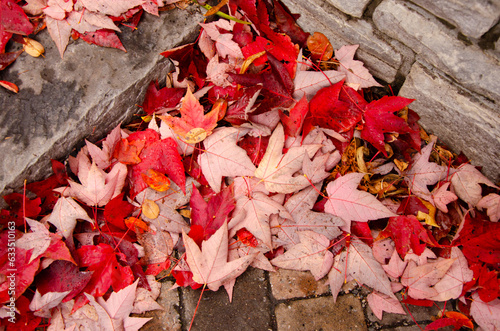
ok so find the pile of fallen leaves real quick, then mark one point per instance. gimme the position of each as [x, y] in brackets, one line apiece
[266, 148]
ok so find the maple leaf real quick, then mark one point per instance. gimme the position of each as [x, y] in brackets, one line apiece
[101, 37]
[304, 218]
[84, 21]
[407, 232]
[492, 203]
[62, 276]
[423, 173]
[294, 118]
[210, 265]
[193, 120]
[441, 197]
[451, 318]
[330, 110]
[158, 154]
[359, 263]
[253, 212]
[310, 254]
[450, 286]
[207, 218]
[421, 279]
[102, 157]
[97, 188]
[107, 271]
[465, 182]
[222, 157]
[308, 83]
[379, 118]
[65, 214]
[159, 99]
[356, 74]
[114, 313]
[380, 302]
[396, 266]
[114, 8]
[277, 170]
[168, 218]
[351, 204]
[13, 19]
[24, 275]
[42, 304]
[59, 31]
[146, 300]
[485, 314]
[38, 240]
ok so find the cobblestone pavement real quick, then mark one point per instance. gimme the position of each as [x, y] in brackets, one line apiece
[282, 300]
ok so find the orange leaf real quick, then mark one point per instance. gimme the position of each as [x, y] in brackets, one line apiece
[128, 152]
[193, 117]
[131, 222]
[320, 47]
[156, 180]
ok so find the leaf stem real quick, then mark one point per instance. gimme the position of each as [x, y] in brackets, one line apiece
[221, 14]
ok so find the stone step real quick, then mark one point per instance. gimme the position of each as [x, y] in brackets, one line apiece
[84, 95]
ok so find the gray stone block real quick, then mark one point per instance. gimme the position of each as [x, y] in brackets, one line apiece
[322, 314]
[432, 40]
[354, 7]
[473, 18]
[289, 284]
[250, 309]
[381, 57]
[86, 94]
[461, 119]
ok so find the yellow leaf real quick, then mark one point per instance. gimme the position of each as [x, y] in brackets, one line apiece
[156, 180]
[33, 47]
[132, 222]
[150, 209]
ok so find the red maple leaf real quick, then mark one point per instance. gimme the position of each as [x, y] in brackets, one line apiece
[330, 110]
[102, 37]
[480, 240]
[379, 119]
[117, 210]
[62, 276]
[13, 19]
[107, 271]
[160, 155]
[407, 232]
[156, 98]
[207, 218]
[293, 119]
[20, 207]
[191, 62]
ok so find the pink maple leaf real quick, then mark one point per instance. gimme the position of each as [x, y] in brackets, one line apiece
[351, 204]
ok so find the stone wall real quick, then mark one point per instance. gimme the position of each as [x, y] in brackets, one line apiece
[443, 53]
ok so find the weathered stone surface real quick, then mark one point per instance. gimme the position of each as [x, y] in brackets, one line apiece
[380, 57]
[321, 314]
[288, 284]
[354, 7]
[429, 38]
[250, 309]
[168, 319]
[473, 18]
[462, 120]
[84, 95]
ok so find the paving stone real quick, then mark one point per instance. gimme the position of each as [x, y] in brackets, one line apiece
[321, 314]
[461, 119]
[288, 284]
[250, 309]
[84, 95]
[429, 38]
[168, 319]
[473, 18]
[420, 314]
[354, 7]
[380, 57]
